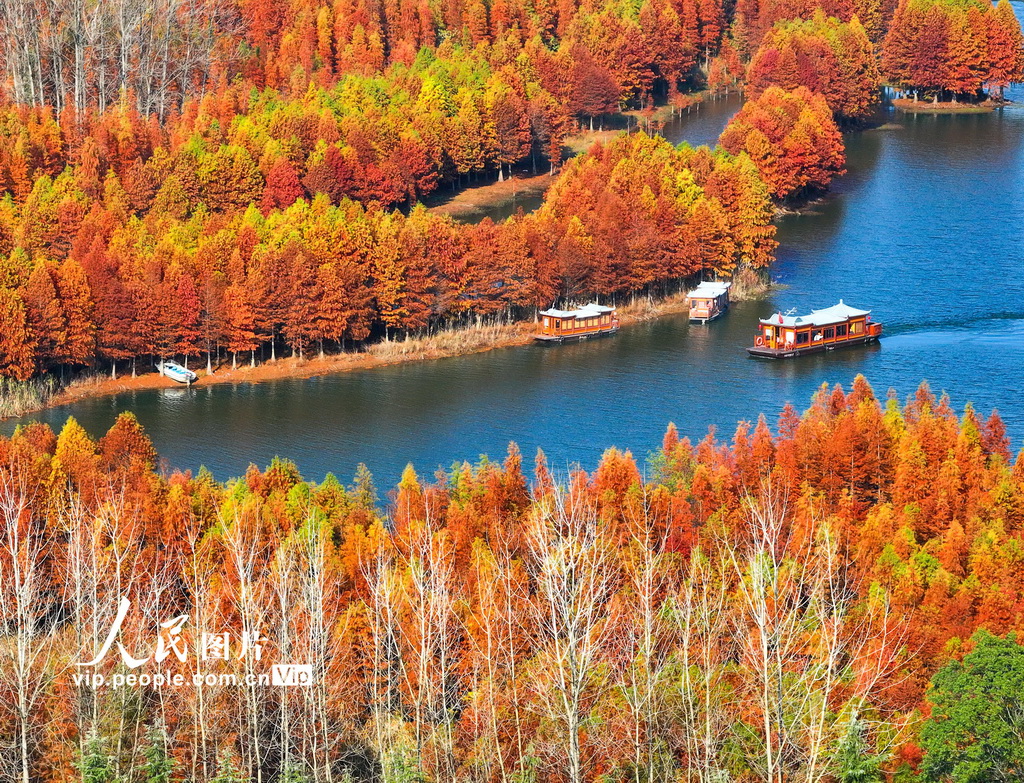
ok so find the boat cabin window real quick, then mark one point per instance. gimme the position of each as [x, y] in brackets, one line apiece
[558, 324]
[857, 327]
[829, 333]
[841, 330]
[547, 321]
[802, 337]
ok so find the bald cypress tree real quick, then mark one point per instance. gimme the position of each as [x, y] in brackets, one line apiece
[17, 348]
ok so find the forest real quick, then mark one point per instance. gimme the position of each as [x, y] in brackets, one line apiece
[229, 180]
[233, 179]
[813, 600]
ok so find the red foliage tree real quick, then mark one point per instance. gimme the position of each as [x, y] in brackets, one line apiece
[282, 187]
[792, 139]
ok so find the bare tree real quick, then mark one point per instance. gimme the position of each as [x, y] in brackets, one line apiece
[501, 636]
[200, 570]
[28, 614]
[574, 570]
[643, 648]
[702, 625]
[246, 551]
[94, 52]
[384, 582]
[98, 566]
[803, 655]
[429, 638]
[324, 624]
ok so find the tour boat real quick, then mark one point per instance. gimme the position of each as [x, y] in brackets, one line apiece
[783, 336]
[176, 372]
[592, 320]
[708, 301]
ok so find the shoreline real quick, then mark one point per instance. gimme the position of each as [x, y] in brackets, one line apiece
[468, 203]
[471, 202]
[446, 344]
[910, 106]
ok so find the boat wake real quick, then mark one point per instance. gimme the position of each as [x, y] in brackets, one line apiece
[996, 325]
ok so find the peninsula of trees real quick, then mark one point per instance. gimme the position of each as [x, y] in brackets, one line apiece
[221, 179]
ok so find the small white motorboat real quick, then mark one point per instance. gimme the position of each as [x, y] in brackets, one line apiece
[176, 372]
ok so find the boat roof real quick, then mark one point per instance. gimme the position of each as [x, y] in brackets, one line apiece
[830, 315]
[587, 311]
[709, 288]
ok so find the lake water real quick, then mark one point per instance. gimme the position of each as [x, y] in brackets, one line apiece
[924, 230]
[704, 122]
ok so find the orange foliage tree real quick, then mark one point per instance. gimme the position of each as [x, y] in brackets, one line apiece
[792, 139]
[744, 599]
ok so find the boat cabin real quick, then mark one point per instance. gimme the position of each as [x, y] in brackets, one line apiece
[708, 301]
[783, 336]
[592, 320]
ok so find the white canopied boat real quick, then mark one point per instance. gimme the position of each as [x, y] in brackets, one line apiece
[592, 320]
[176, 372]
[708, 301]
[785, 335]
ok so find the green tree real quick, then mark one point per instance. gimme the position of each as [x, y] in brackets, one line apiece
[294, 774]
[95, 765]
[158, 766]
[854, 759]
[976, 730]
[227, 772]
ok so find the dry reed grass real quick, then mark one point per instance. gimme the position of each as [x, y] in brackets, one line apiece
[20, 397]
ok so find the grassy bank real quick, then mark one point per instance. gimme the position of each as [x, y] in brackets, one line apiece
[473, 201]
[910, 106]
[21, 399]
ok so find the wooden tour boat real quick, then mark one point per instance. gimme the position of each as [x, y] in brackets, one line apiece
[592, 320]
[783, 336]
[708, 301]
